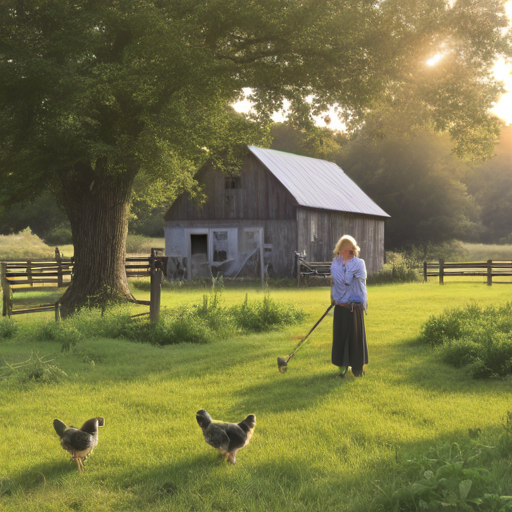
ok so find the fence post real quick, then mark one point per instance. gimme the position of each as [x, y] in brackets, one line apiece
[6, 291]
[297, 264]
[489, 272]
[156, 288]
[441, 271]
[425, 270]
[29, 272]
[60, 281]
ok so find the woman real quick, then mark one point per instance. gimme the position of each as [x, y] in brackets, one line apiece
[348, 292]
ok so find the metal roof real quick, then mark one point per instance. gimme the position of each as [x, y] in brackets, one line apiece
[317, 183]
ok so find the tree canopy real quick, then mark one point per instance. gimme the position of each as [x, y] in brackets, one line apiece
[96, 92]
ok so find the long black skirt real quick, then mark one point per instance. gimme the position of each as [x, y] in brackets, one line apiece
[349, 346]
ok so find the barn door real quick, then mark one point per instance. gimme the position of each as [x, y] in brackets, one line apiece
[199, 255]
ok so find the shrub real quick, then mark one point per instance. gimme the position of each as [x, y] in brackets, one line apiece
[264, 316]
[8, 328]
[398, 269]
[473, 337]
[471, 476]
[61, 332]
[60, 235]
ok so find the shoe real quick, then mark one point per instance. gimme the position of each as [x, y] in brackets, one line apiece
[358, 374]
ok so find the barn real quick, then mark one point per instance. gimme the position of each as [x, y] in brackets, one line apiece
[279, 203]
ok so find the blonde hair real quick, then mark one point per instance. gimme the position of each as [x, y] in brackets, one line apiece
[344, 242]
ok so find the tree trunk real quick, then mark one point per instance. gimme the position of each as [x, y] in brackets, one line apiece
[97, 206]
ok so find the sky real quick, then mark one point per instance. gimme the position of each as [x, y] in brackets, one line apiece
[503, 107]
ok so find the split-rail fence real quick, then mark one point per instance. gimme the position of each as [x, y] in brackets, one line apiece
[489, 270]
[52, 275]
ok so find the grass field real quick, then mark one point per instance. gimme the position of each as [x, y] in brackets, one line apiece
[321, 443]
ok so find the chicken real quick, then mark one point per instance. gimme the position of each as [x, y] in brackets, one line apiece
[79, 442]
[228, 438]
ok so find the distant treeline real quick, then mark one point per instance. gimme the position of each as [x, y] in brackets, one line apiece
[432, 196]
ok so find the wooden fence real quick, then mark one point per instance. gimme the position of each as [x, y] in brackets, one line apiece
[487, 269]
[311, 269]
[45, 275]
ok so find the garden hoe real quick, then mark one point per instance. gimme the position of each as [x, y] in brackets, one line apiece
[282, 363]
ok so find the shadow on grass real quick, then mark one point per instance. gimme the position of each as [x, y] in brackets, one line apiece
[38, 476]
[286, 393]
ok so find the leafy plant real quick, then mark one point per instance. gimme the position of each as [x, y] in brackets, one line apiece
[453, 477]
[36, 369]
[8, 328]
[265, 315]
[398, 269]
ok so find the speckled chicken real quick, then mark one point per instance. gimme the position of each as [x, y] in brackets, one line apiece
[228, 438]
[79, 442]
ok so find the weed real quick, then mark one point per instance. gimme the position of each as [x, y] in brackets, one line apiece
[61, 332]
[265, 315]
[452, 477]
[35, 369]
[8, 328]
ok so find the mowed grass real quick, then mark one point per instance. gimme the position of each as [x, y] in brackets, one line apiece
[321, 443]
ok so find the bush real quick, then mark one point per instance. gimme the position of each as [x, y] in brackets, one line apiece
[202, 323]
[471, 476]
[264, 316]
[398, 269]
[475, 338]
[61, 332]
[61, 235]
[8, 328]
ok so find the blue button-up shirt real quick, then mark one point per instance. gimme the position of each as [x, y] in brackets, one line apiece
[349, 280]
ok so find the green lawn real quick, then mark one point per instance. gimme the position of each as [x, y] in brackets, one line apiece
[321, 443]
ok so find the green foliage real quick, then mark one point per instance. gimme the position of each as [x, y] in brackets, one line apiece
[454, 477]
[8, 328]
[419, 182]
[61, 332]
[140, 244]
[397, 269]
[59, 235]
[36, 369]
[473, 337]
[203, 323]
[265, 315]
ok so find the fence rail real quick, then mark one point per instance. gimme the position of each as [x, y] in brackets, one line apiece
[45, 275]
[488, 269]
[310, 269]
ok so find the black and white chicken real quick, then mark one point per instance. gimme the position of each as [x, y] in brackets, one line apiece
[79, 442]
[228, 438]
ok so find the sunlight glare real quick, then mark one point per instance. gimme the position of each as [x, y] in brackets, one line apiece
[435, 59]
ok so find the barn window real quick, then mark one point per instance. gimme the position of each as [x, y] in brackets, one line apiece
[232, 182]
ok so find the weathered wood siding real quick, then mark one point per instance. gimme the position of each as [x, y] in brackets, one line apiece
[260, 196]
[280, 234]
[319, 230]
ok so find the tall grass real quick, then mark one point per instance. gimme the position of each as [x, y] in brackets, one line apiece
[484, 252]
[24, 245]
[473, 337]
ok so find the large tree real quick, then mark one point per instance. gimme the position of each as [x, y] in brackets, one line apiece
[94, 92]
